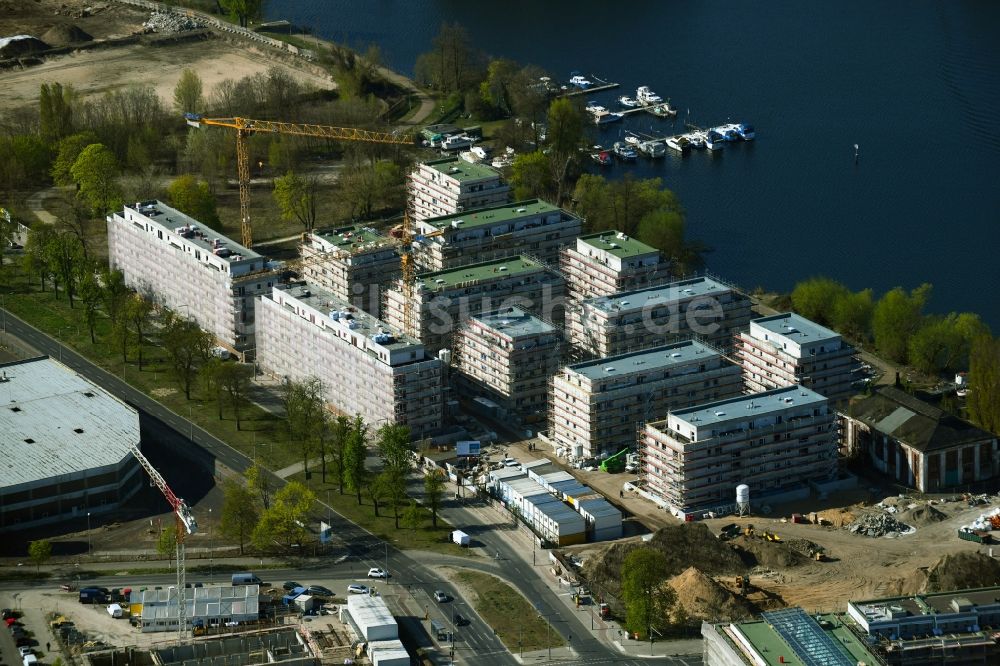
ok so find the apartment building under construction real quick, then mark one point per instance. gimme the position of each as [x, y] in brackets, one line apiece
[775, 442]
[191, 269]
[507, 356]
[533, 227]
[609, 262]
[598, 407]
[703, 308]
[358, 263]
[452, 185]
[443, 300]
[366, 366]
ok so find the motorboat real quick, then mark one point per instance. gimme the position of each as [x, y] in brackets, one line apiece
[728, 132]
[602, 116]
[632, 140]
[663, 110]
[696, 139]
[714, 140]
[746, 132]
[624, 152]
[628, 102]
[653, 148]
[647, 97]
[603, 158]
[679, 144]
[581, 82]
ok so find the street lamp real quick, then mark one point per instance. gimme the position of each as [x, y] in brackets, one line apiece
[211, 553]
[90, 544]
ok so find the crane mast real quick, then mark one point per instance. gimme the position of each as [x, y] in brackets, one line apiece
[186, 524]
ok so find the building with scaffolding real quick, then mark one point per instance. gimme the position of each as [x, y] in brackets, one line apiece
[532, 227]
[367, 367]
[609, 262]
[191, 269]
[775, 442]
[441, 301]
[354, 263]
[702, 308]
[786, 349]
[508, 356]
[452, 185]
[598, 407]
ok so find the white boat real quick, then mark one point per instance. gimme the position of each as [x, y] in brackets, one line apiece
[696, 139]
[745, 131]
[628, 102]
[580, 81]
[729, 131]
[680, 144]
[714, 140]
[603, 117]
[646, 97]
[632, 140]
[653, 148]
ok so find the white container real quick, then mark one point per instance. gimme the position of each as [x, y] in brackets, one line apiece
[743, 494]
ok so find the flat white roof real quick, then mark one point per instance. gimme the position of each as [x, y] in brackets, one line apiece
[749, 406]
[368, 612]
[795, 328]
[54, 422]
[648, 360]
[675, 292]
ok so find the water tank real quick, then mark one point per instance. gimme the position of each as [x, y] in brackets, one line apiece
[743, 494]
[445, 356]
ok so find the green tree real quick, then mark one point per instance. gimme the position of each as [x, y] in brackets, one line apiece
[235, 379]
[897, 316]
[194, 198]
[95, 172]
[283, 523]
[8, 227]
[304, 407]
[453, 65]
[243, 11]
[852, 314]
[983, 401]
[188, 96]
[91, 295]
[621, 205]
[433, 493]
[35, 260]
[25, 163]
[340, 432]
[55, 111]
[377, 490]
[166, 544]
[816, 298]
[138, 314]
[565, 136]
[495, 90]
[531, 176]
[239, 511]
[212, 382]
[65, 254]
[939, 345]
[393, 443]
[663, 228]
[413, 515]
[67, 151]
[648, 599]
[260, 483]
[368, 187]
[355, 451]
[40, 552]
[187, 346]
[295, 196]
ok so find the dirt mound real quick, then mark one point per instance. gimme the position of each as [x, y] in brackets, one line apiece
[704, 599]
[835, 517]
[684, 546]
[922, 515]
[20, 45]
[61, 35]
[959, 571]
[770, 554]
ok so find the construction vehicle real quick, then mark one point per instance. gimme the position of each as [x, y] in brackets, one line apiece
[245, 127]
[748, 531]
[743, 585]
[186, 524]
[615, 463]
[605, 611]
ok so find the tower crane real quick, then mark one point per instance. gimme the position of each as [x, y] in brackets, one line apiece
[186, 524]
[245, 127]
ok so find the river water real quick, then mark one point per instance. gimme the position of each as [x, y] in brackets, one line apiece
[915, 84]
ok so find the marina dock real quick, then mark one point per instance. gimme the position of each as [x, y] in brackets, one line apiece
[600, 85]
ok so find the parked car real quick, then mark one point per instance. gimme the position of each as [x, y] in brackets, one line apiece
[459, 620]
[24, 650]
[319, 591]
[290, 585]
[440, 596]
[357, 589]
[376, 572]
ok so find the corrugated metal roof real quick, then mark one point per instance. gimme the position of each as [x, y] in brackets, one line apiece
[368, 612]
[55, 422]
[218, 601]
[598, 507]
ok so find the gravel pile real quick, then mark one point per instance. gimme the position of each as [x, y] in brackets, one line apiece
[167, 23]
[877, 525]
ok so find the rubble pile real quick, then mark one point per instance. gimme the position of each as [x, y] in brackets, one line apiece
[877, 525]
[165, 22]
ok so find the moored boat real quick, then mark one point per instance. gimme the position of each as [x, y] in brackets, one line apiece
[714, 140]
[679, 144]
[696, 139]
[581, 82]
[624, 152]
[745, 131]
[647, 97]
[602, 116]
[653, 148]
[628, 102]
[663, 110]
[603, 158]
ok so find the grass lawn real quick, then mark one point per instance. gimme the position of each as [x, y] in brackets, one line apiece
[506, 610]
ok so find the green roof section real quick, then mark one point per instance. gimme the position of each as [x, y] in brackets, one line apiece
[617, 244]
[475, 273]
[496, 214]
[352, 236]
[461, 170]
[777, 652]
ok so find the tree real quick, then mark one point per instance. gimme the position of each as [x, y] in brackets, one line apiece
[166, 544]
[188, 96]
[565, 136]
[65, 254]
[413, 516]
[852, 314]
[453, 65]
[55, 111]
[115, 294]
[531, 176]
[340, 432]
[495, 90]
[25, 163]
[433, 492]
[259, 482]
[295, 196]
[368, 187]
[816, 298]
[35, 260]
[983, 400]
[91, 295]
[239, 511]
[235, 382]
[95, 173]
[137, 314]
[188, 347]
[304, 408]
[40, 552]
[377, 490]
[243, 11]
[943, 343]
[355, 452]
[647, 597]
[8, 227]
[67, 151]
[897, 316]
[212, 381]
[393, 443]
[284, 521]
[194, 198]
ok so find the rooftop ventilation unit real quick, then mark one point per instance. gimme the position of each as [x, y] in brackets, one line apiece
[521, 210]
[503, 268]
[720, 413]
[610, 368]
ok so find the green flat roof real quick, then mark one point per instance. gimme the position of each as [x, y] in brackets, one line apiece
[474, 273]
[617, 244]
[350, 236]
[495, 214]
[772, 647]
[461, 170]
